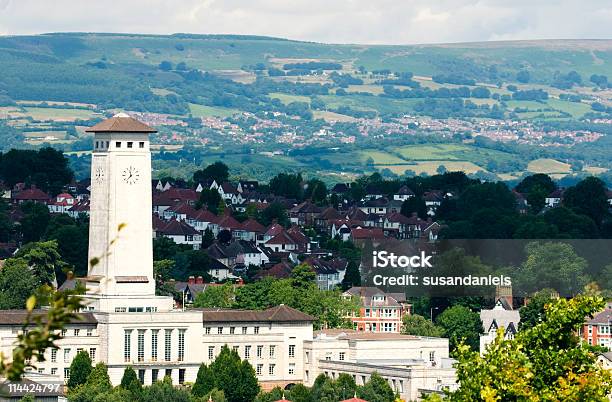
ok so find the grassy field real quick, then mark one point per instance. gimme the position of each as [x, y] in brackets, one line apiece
[58, 114]
[211, 111]
[548, 166]
[287, 98]
[431, 167]
[331, 116]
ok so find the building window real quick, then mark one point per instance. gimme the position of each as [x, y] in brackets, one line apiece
[154, 334]
[154, 374]
[341, 356]
[89, 332]
[291, 350]
[232, 329]
[272, 350]
[127, 353]
[259, 369]
[247, 351]
[168, 344]
[211, 352]
[92, 354]
[53, 355]
[256, 330]
[141, 376]
[244, 330]
[66, 373]
[181, 376]
[141, 334]
[220, 330]
[141, 144]
[67, 355]
[259, 350]
[235, 348]
[64, 332]
[307, 357]
[432, 356]
[271, 369]
[54, 371]
[168, 373]
[129, 144]
[120, 309]
[76, 332]
[181, 345]
[207, 330]
[291, 368]
[118, 144]
[107, 144]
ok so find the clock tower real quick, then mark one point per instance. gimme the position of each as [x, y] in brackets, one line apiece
[120, 228]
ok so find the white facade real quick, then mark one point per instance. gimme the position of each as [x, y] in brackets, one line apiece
[410, 364]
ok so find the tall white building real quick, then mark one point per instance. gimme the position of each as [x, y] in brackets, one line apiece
[126, 324]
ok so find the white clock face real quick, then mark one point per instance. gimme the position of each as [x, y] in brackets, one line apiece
[99, 174]
[130, 175]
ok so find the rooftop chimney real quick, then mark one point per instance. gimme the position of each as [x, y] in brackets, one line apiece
[191, 280]
[199, 280]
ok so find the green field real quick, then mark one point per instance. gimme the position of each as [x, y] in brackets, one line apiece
[548, 166]
[211, 111]
[58, 114]
[287, 98]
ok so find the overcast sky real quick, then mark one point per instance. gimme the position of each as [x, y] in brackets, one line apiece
[332, 21]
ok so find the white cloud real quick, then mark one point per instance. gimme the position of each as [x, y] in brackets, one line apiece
[335, 21]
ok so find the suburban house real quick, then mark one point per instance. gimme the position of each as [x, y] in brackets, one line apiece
[32, 194]
[596, 331]
[304, 214]
[179, 231]
[379, 311]
[330, 273]
[403, 194]
[554, 199]
[500, 318]
[61, 204]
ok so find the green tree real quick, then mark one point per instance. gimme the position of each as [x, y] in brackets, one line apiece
[205, 381]
[216, 296]
[414, 205]
[17, 284]
[536, 187]
[552, 265]
[208, 238]
[217, 171]
[165, 391]
[209, 199]
[130, 382]
[162, 272]
[534, 312]
[97, 383]
[6, 225]
[34, 223]
[43, 259]
[352, 276]
[418, 325]
[546, 362]
[377, 389]
[460, 324]
[275, 212]
[287, 185]
[299, 393]
[346, 386]
[325, 390]
[80, 368]
[236, 379]
[588, 197]
[316, 191]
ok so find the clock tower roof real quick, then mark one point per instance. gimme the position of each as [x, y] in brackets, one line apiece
[121, 123]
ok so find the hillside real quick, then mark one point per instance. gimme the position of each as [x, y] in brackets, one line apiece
[328, 110]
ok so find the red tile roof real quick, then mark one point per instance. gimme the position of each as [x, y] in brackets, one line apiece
[32, 194]
[367, 233]
[121, 123]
